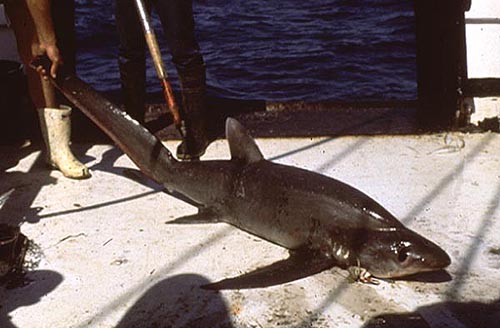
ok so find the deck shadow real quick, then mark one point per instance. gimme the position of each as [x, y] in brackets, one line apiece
[178, 302]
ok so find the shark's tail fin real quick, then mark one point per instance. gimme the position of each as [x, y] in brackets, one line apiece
[145, 150]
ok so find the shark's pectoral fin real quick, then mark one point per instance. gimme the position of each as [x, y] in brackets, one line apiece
[204, 215]
[298, 265]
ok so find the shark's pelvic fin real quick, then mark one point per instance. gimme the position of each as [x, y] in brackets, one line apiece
[241, 144]
[204, 215]
[299, 265]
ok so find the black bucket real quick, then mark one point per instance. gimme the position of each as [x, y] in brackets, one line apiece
[16, 114]
[13, 247]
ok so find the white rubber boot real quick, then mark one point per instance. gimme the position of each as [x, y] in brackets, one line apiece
[56, 130]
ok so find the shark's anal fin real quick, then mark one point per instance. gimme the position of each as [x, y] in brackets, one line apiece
[204, 215]
[299, 265]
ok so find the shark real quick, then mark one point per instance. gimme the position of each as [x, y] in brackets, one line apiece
[323, 222]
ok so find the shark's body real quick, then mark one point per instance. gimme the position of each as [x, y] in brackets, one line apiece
[322, 221]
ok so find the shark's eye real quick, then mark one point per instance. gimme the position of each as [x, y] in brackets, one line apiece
[403, 254]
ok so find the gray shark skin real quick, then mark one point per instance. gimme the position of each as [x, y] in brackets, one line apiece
[322, 221]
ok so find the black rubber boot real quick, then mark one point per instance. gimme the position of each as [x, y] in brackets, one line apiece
[196, 139]
[133, 82]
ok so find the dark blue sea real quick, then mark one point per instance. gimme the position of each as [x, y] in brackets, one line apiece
[310, 50]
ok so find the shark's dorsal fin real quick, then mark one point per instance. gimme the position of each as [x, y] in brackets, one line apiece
[242, 146]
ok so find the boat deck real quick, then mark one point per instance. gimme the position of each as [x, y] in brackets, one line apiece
[104, 256]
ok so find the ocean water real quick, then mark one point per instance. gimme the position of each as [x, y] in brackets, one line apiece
[314, 50]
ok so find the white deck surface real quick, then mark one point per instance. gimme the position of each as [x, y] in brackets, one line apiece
[108, 259]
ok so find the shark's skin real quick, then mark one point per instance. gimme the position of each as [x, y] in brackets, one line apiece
[322, 221]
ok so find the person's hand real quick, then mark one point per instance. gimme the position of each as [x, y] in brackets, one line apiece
[56, 60]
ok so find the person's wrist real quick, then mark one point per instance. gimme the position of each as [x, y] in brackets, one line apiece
[47, 45]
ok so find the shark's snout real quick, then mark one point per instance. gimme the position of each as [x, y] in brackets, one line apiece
[437, 259]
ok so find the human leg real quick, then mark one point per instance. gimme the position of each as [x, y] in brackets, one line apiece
[56, 130]
[178, 25]
[55, 127]
[131, 58]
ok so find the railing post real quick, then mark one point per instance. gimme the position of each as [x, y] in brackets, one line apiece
[441, 60]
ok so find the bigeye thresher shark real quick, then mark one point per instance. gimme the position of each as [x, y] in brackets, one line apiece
[323, 222]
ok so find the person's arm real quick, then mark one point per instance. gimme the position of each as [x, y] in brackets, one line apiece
[41, 13]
